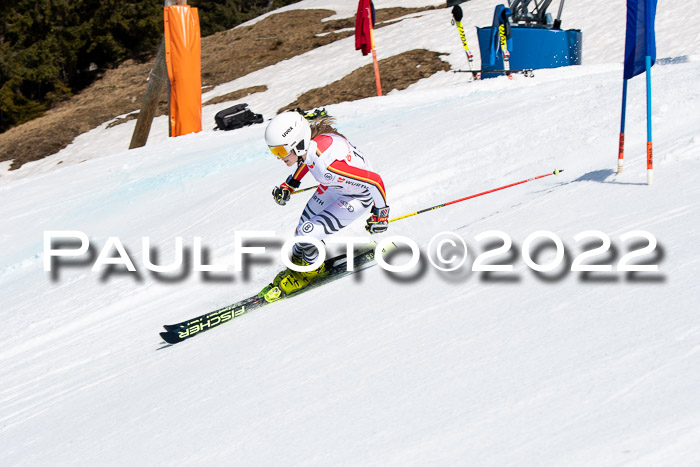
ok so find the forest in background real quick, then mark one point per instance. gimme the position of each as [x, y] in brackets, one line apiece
[52, 49]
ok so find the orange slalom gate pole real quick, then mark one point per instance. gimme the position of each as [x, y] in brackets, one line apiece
[374, 52]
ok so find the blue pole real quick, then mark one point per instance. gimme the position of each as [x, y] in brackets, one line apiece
[650, 158]
[621, 149]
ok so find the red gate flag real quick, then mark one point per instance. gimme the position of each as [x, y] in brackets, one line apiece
[363, 40]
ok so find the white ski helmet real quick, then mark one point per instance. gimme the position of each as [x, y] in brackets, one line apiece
[287, 132]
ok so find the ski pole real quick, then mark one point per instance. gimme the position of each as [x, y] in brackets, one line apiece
[305, 189]
[457, 15]
[557, 22]
[556, 172]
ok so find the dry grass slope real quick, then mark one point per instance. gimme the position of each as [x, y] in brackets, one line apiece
[225, 56]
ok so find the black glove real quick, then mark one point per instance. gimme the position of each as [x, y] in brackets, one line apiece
[283, 192]
[378, 221]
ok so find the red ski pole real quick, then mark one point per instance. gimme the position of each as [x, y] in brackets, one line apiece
[556, 172]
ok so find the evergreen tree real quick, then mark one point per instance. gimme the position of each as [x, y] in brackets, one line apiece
[51, 49]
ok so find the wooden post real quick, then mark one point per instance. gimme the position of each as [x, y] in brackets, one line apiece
[157, 83]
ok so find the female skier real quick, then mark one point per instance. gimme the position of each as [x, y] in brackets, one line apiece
[348, 186]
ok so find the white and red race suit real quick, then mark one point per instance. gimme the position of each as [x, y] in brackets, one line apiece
[348, 188]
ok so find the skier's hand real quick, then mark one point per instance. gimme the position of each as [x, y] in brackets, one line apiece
[378, 221]
[282, 193]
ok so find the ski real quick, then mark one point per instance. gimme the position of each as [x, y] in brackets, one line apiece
[529, 72]
[457, 16]
[312, 114]
[337, 267]
[504, 48]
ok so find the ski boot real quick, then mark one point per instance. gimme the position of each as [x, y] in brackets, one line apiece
[288, 281]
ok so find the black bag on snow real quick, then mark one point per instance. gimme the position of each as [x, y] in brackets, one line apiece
[237, 116]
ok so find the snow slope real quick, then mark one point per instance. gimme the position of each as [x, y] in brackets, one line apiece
[420, 368]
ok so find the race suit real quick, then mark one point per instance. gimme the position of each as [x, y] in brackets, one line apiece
[348, 188]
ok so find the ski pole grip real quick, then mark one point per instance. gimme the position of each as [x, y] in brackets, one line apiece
[457, 13]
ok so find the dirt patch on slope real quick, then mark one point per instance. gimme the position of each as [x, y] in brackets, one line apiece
[225, 56]
[235, 95]
[397, 72]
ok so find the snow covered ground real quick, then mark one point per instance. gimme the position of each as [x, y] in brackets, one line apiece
[421, 368]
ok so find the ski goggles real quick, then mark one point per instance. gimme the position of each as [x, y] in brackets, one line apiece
[281, 151]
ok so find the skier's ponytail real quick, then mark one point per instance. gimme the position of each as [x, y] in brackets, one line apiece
[324, 125]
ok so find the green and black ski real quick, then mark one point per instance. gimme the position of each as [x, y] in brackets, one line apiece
[337, 267]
